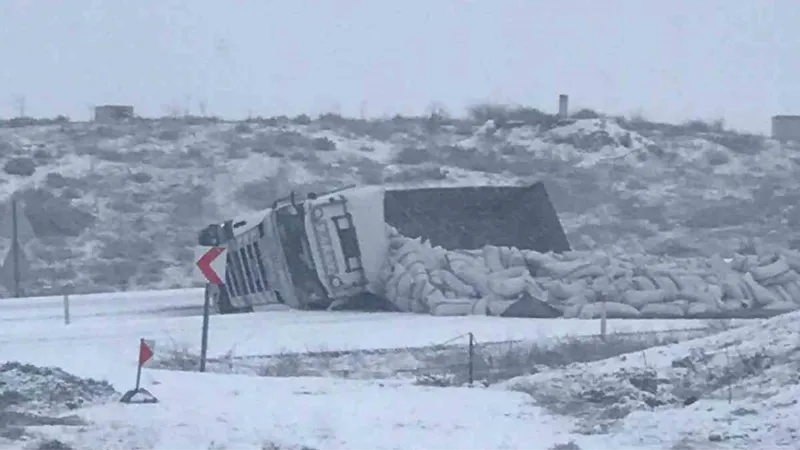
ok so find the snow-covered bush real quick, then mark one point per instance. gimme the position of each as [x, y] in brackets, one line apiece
[21, 166]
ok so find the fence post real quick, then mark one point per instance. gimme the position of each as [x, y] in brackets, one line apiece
[603, 317]
[471, 363]
[66, 308]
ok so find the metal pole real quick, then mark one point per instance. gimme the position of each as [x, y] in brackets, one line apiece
[15, 246]
[66, 309]
[204, 339]
[139, 366]
[603, 319]
[471, 365]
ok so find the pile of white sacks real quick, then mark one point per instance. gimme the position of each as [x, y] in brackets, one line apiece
[420, 278]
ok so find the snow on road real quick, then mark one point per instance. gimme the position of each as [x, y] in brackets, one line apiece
[100, 305]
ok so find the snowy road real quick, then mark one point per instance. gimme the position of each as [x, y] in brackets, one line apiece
[93, 345]
[173, 302]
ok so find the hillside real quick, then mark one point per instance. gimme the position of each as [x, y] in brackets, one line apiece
[736, 389]
[118, 207]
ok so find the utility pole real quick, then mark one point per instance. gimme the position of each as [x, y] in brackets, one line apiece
[15, 246]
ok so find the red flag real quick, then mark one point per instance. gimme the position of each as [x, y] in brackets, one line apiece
[145, 352]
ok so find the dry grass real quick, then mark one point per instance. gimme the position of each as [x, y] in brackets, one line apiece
[438, 365]
[496, 362]
[571, 445]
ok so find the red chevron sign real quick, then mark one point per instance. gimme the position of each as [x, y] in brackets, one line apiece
[212, 264]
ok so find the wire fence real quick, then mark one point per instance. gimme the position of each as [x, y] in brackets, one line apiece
[462, 359]
[489, 362]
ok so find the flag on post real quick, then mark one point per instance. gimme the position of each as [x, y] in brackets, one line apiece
[146, 349]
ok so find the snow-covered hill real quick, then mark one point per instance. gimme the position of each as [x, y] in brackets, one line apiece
[117, 207]
[735, 390]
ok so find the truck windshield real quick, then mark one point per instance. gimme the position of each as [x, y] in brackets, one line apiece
[294, 240]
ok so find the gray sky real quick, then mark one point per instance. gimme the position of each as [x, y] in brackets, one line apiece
[669, 60]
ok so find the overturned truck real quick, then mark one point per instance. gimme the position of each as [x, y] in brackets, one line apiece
[375, 248]
[487, 250]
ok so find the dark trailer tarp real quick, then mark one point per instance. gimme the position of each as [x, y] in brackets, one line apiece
[471, 217]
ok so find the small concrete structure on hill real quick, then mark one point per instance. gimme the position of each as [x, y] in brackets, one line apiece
[786, 128]
[113, 113]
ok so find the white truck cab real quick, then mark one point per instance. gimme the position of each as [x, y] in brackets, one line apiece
[307, 253]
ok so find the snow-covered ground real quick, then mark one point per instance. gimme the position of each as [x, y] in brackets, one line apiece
[739, 389]
[202, 411]
[231, 411]
[236, 411]
[98, 346]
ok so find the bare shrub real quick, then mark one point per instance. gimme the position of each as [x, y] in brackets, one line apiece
[701, 126]
[42, 154]
[415, 174]
[179, 357]
[413, 156]
[571, 445]
[323, 144]
[21, 166]
[586, 113]
[503, 114]
[243, 127]
[289, 140]
[371, 174]
[743, 143]
[260, 194]
[380, 130]
[141, 177]
[54, 216]
[302, 119]
[53, 444]
[113, 274]
[126, 206]
[717, 157]
[473, 159]
[495, 362]
[171, 134]
[55, 180]
[272, 445]
[286, 365]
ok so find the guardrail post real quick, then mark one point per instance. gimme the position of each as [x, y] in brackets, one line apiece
[603, 318]
[471, 362]
[66, 308]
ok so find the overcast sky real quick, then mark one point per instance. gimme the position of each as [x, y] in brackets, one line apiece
[667, 59]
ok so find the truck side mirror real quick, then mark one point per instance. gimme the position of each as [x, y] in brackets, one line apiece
[210, 236]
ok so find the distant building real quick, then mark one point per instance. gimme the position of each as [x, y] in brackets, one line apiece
[563, 106]
[113, 113]
[786, 128]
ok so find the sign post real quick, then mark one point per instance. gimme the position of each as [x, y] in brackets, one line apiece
[146, 347]
[204, 336]
[211, 263]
